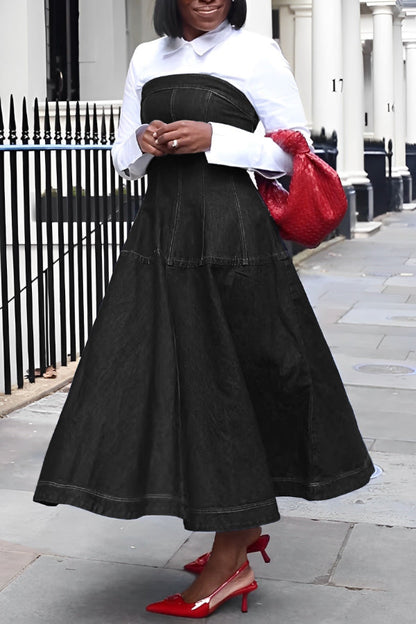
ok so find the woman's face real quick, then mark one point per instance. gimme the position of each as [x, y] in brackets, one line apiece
[200, 16]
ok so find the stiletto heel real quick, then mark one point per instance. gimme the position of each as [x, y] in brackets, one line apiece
[259, 545]
[175, 605]
[244, 605]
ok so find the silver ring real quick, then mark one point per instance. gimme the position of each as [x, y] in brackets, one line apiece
[174, 143]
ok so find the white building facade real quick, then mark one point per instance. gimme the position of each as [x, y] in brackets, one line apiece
[354, 62]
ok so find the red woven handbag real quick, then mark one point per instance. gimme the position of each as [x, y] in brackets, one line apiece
[316, 201]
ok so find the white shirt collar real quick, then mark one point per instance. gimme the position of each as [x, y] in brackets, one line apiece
[202, 44]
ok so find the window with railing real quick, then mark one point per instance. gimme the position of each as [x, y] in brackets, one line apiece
[62, 49]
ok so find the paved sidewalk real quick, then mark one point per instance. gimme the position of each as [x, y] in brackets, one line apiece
[348, 560]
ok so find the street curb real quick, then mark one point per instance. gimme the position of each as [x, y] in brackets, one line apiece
[307, 253]
[32, 392]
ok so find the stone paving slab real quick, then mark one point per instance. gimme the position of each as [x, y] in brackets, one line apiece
[369, 342]
[73, 532]
[382, 354]
[328, 316]
[402, 447]
[24, 438]
[388, 426]
[12, 563]
[22, 448]
[347, 366]
[378, 557]
[70, 591]
[364, 330]
[387, 500]
[403, 342]
[380, 400]
[384, 413]
[301, 550]
[339, 282]
[401, 315]
[368, 299]
[394, 290]
[403, 281]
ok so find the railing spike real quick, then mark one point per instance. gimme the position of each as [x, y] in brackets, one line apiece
[112, 136]
[68, 134]
[47, 134]
[12, 123]
[25, 124]
[77, 124]
[58, 134]
[95, 125]
[87, 125]
[103, 128]
[36, 123]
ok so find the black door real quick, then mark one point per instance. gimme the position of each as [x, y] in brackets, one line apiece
[62, 49]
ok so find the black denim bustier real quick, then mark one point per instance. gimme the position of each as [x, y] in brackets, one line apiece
[194, 212]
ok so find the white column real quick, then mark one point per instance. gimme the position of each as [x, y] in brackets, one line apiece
[259, 17]
[139, 20]
[22, 51]
[287, 33]
[302, 61]
[411, 91]
[383, 69]
[399, 147]
[327, 70]
[367, 47]
[353, 94]
[102, 49]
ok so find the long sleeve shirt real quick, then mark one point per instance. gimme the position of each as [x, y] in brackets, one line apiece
[252, 63]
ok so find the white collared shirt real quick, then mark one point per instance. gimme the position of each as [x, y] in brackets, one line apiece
[252, 63]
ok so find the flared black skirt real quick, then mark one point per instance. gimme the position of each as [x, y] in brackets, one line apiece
[206, 388]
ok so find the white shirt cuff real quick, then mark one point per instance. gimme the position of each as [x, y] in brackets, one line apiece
[238, 148]
[129, 160]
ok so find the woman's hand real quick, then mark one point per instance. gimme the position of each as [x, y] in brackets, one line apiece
[146, 139]
[183, 137]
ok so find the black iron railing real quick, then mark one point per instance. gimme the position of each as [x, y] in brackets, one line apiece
[378, 165]
[64, 216]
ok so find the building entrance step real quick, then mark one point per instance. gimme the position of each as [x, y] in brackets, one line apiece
[364, 229]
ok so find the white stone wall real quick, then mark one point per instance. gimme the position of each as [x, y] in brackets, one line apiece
[22, 50]
[102, 48]
[259, 16]
[139, 23]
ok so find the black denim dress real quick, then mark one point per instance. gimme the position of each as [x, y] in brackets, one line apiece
[206, 388]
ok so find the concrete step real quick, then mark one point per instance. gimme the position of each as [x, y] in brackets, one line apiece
[364, 229]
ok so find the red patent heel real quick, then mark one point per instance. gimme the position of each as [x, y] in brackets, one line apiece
[259, 545]
[175, 605]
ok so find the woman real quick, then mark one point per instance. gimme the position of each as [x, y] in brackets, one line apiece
[206, 388]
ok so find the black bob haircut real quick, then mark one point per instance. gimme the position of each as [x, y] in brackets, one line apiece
[167, 20]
